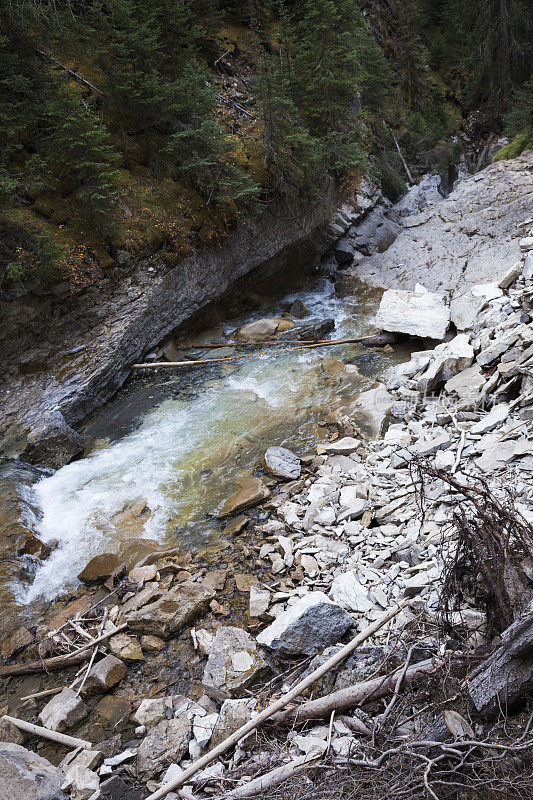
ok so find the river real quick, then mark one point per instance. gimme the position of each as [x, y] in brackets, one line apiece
[168, 447]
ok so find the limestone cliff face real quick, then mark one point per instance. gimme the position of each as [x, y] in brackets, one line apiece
[465, 239]
[76, 360]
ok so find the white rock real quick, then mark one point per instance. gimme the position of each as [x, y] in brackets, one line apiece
[150, 712]
[527, 272]
[419, 313]
[495, 417]
[203, 728]
[343, 446]
[510, 275]
[490, 291]
[348, 592]
[63, 711]
[259, 601]
[81, 782]
[449, 359]
[466, 383]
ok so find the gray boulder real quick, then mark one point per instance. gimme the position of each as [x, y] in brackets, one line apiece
[308, 626]
[63, 711]
[234, 661]
[281, 463]
[27, 776]
[167, 743]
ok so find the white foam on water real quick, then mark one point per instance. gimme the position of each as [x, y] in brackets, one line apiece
[162, 460]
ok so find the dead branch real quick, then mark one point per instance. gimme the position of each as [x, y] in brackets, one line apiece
[355, 695]
[44, 733]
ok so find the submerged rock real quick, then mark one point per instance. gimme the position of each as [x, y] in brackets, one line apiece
[281, 463]
[312, 623]
[251, 492]
[18, 640]
[419, 313]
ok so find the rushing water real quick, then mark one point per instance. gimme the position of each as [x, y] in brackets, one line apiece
[170, 445]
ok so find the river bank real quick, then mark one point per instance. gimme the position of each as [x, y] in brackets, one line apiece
[327, 551]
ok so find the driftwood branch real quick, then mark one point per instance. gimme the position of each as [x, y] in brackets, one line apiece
[380, 340]
[270, 779]
[355, 695]
[59, 662]
[44, 733]
[273, 708]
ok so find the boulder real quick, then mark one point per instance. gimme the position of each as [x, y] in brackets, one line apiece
[308, 626]
[63, 711]
[298, 309]
[449, 358]
[251, 492]
[124, 647]
[527, 271]
[165, 744]
[82, 782]
[104, 675]
[347, 591]
[259, 601]
[464, 309]
[234, 661]
[281, 463]
[150, 712]
[370, 409]
[493, 419]
[101, 568]
[466, 383]
[27, 776]
[262, 329]
[418, 197]
[419, 313]
[233, 715]
[175, 609]
[52, 443]
[343, 447]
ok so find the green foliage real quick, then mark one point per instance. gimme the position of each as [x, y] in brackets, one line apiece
[27, 253]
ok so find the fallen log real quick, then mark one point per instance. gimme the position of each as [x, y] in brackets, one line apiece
[379, 340]
[270, 779]
[506, 676]
[44, 733]
[355, 695]
[273, 708]
[58, 662]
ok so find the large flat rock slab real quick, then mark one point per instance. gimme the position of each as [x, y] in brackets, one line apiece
[419, 313]
[470, 237]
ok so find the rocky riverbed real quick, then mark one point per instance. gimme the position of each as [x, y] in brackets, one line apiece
[197, 644]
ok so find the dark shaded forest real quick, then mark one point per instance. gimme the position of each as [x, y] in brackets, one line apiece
[129, 126]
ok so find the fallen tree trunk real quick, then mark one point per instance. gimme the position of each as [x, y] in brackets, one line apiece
[379, 340]
[270, 779]
[355, 695]
[506, 676]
